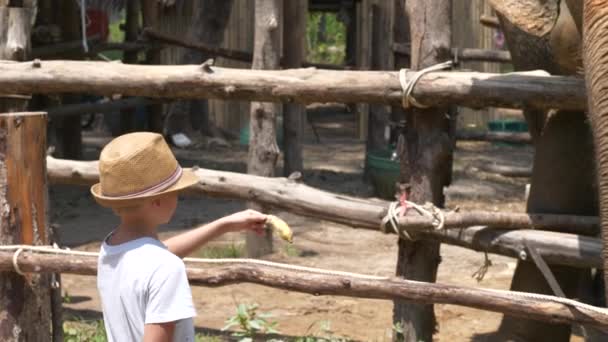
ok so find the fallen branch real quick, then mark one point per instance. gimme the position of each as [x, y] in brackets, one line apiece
[510, 137]
[546, 309]
[471, 89]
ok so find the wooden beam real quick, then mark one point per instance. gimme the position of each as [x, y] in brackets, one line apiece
[25, 314]
[238, 55]
[465, 54]
[547, 309]
[471, 89]
[285, 194]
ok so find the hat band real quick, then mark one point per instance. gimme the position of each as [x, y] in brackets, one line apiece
[165, 184]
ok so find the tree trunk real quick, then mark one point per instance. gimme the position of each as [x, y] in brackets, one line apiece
[207, 28]
[295, 17]
[263, 149]
[25, 304]
[127, 115]
[595, 30]
[425, 162]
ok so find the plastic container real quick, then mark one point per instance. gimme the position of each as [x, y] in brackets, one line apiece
[383, 172]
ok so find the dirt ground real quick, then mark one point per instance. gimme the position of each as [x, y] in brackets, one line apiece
[335, 164]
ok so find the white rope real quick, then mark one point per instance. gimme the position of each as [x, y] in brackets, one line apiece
[50, 250]
[15, 264]
[427, 210]
[512, 294]
[407, 85]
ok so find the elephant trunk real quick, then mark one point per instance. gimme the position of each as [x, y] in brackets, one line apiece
[595, 59]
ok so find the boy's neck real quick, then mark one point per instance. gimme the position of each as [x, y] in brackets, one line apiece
[129, 230]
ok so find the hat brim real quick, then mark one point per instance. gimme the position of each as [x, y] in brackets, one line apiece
[187, 179]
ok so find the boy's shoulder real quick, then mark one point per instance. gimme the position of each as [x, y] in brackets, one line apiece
[145, 253]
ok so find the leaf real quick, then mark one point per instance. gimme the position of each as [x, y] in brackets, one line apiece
[255, 324]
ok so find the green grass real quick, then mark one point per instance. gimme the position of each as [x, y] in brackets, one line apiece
[232, 250]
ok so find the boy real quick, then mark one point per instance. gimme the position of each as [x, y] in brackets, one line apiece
[142, 282]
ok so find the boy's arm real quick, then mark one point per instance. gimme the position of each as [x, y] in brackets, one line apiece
[184, 244]
[159, 332]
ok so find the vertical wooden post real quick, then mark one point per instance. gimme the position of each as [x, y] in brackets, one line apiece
[263, 149]
[380, 60]
[69, 129]
[150, 15]
[294, 115]
[127, 116]
[24, 300]
[425, 161]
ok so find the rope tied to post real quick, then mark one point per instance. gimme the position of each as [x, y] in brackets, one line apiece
[408, 83]
[396, 210]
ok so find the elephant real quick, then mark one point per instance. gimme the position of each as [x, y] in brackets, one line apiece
[595, 58]
[546, 34]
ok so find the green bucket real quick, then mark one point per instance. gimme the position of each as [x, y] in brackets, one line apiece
[383, 172]
[511, 126]
[244, 134]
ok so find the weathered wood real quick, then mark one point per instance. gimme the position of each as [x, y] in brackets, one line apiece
[507, 171]
[295, 15]
[465, 54]
[204, 48]
[469, 89]
[509, 137]
[150, 14]
[282, 193]
[426, 163]
[14, 45]
[263, 149]
[509, 303]
[24, 301]
[238, 55]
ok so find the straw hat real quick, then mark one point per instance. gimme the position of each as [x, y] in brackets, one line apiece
[136, 166]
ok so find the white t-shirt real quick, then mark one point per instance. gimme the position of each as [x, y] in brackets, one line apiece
[141, 282]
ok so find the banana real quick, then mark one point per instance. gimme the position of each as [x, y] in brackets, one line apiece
[280, 227]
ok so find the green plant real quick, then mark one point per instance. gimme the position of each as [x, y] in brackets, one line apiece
[84, 331]
[250, 323]
[291, 251]
[207, 338]
[232, 250]
[326, 38]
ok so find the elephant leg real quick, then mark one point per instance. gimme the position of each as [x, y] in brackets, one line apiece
[562, 183]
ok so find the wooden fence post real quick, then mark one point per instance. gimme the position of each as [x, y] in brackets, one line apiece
[294, 115]
[425, 154]
[263, 149]
[24, 300]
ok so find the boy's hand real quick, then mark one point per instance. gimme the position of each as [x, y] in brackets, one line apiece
[245, 220]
